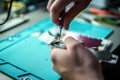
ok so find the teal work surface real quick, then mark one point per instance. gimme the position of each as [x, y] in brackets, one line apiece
[24, 55]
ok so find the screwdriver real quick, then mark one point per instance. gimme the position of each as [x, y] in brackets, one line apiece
[61, 19]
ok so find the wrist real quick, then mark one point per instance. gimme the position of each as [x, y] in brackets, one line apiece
[93, 75]
[82, 75]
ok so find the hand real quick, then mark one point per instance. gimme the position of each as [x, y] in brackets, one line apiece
[57, 6]
[75, 62]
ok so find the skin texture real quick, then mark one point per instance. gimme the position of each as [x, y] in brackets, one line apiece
[55, 7]
[75, 62]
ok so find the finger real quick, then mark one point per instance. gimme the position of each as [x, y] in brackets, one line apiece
[75, 10]
[50, 2]
[61, 59]
[56, 8]
[71, 43]
[57, 55]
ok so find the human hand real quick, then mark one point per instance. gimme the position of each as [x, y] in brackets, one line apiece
[57, 6]
[75, 62]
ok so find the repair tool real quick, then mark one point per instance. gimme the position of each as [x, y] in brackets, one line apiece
[57, 44]
[61, 19]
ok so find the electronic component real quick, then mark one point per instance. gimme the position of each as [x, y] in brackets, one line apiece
[103, 55]
[99, 47]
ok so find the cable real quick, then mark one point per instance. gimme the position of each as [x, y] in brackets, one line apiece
[8, 15]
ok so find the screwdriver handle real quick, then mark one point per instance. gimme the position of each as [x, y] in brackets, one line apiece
[61, 19]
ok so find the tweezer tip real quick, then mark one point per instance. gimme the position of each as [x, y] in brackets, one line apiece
[60, 34]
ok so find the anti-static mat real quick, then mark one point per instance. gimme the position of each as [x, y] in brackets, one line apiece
[24, 56]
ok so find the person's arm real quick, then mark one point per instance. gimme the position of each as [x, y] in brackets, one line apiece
[75, 62]
[57, 6]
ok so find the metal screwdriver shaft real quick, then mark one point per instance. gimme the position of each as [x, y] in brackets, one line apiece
[60, 33]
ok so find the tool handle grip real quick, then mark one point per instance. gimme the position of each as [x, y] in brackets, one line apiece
[61, 19]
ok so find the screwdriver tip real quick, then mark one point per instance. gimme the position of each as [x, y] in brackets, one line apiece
[60, 34]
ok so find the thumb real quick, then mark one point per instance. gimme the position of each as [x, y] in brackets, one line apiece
[71, 43]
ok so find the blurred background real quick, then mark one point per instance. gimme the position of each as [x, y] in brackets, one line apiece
[105, 11]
